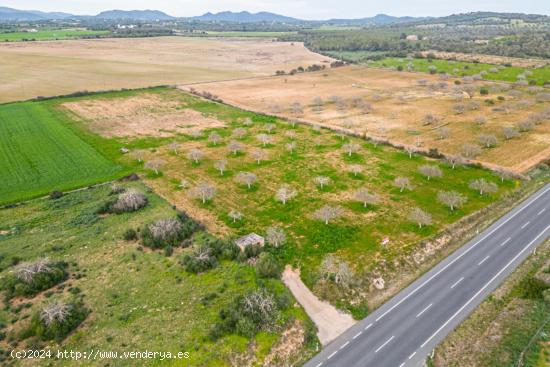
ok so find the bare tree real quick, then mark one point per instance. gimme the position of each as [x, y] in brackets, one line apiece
[56, 311]
[470, 150]
[322, 181]
[138, 155]
[344, 275]
[285, 193]
[239, 133]
[403, 183]
[355, 169]
[269, 128]
[165, 228]
[452, 199]
[364, 196]
[235, 147]
[444, 132]
[174, 146]
[430, 119]
[264, 139]
[430, 171]
[26, 271]
[328, 213]
[214, 138]
[455, 160]
[129, 201]
[290, 147]
[221, 165]
[246, 178]
[351, 148]
[410, 151]
[235, 215]
[420, 217]
[259, 155]
[203, 191]
[275, 236]
[510, 133]
[480, 120]
[488, 140]
[155, 164]
[483, 186]
[195, 155]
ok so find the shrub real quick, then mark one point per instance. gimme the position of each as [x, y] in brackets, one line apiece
[200, 260]
[167, 232]
[31, 278]
[267, 266]
[56, 320]
[130, 234]
[55, 195]
[484, 91]
[129, 201]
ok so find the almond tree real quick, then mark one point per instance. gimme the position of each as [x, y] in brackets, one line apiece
[488, 140]
[420, 217]
[328, 213]
[444, 132]
[455, 160]
[264, 139]
[239, 133]
[351, 148]
[509, 133]
[480, 120]
[275, 236]
[138, 155]
[317, 104]
[483, 186]
[410, 151]
[203, 191]
[246, 178]
[214, 138]
[364, 196]
[195, 155]
[235, 215]
[503, 174]
[452, 199]
[269, 128]
[291, 146]
[296, 109]
[221, 165]
[196, 133]
[235, 147]
[259, 155]
[174, 146]
[430, 119]
[248, 122]
[355, 169]
[430, 171]
[285, 193]
[291, 134]
[155, 164]
[470, 150]
[322, 181]
[403, 183]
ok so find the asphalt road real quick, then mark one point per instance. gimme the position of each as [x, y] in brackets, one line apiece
[407, 328]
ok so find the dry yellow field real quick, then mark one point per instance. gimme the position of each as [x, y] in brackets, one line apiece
[31, 69]
[393, 106]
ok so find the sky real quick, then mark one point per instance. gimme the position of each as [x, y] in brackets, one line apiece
[304, 9]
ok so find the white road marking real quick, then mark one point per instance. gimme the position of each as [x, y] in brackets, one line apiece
[344, 345]
[424, 310]
[542, 211]
[368, 326]
[356, 335]
[462, 254]
[482, 261]
[383, 345]
[319, 365]
[483, 288]
[525, 225]
[456, 283]
[506, 241]
[412, 355]
[402, 364]
[332, 355]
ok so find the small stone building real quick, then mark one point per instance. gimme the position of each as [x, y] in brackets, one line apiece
[249, 240]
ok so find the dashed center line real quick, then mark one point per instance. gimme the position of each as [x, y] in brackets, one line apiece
[356, 335]
[344, 345]
[506, 241]
[542, 211]
[332, 355]
[525, 225]
[402, 364]
[482, 261]
[383, 345]
[456, 283]
[412, 355]
[424, 310]
[368, 326]
[319, 365]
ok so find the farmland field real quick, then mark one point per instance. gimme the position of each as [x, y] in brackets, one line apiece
[394, 106]
[356, 237]
[40, 153]
[139, 299]
[50, 68]
[49, 34]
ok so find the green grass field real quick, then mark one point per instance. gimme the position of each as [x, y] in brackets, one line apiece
[41, 152]
[49, 34]
[461, 68]
[245, 34]
[139, 299]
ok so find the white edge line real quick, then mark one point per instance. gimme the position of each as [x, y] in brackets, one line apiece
[356, 335]
[526, 224]
[383, 345]
[424, 310]
[332, 355]
[402, 364]
[485, 286]
[462, 254]
[506, 241]
[456, 283]
[412, 355]
[485, 259]
[319, 364]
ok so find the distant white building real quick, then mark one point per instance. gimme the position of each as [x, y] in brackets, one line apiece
[412, 37]
[250, 240]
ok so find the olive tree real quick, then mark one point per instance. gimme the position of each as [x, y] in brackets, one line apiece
[452, 199]
[275, 236]
[221, 165]
[328, 213]
[246, 178]
[203, 191]
[420, 217]
[403, 183]
[285, 193]
[483, 186]
[155, 165]
[488, 140]
[322, 181]
[430, 171]
[364, 196]
[195, 155]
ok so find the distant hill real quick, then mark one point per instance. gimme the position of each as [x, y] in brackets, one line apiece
[379, 19]
[134, 15]
[245, 17]
[13, 15]
[487, 18]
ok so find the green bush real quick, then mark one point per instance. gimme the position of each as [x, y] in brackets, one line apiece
[531, 288]
[484, 91]
[14, 286]
[267, 266]
[130, 234]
